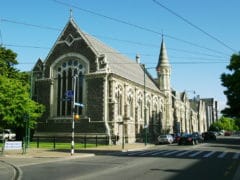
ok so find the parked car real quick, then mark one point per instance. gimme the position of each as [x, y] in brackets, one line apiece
[198, 137]
[7, 134]
[188, 139]
[165, 138]
[209, 136]
[221, 133]
[176, 137]
[227, 133]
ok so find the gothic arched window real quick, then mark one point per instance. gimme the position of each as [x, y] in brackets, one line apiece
[140, 105]
[118, 95]
[64, 86]
[130, 102]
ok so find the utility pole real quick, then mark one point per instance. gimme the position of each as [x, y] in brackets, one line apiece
[145, 109]
[123, 136]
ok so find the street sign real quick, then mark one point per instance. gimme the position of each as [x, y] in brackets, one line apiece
[69, 93]
[13, 145]
[78, 104]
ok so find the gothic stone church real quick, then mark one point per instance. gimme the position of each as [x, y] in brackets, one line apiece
[120, 97]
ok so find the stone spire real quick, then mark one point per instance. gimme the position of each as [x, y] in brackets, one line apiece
[164, 84]
[163, 69]
[163, 57]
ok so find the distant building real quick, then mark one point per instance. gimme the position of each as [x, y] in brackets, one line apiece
[120, 97]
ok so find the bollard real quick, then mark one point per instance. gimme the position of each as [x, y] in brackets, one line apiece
[85, 142]
[96, 141]
[24, 145]
[37, 142]
[107, 140]
[54, 143]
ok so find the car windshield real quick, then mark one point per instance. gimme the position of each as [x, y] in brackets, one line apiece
[186, 135]
[163, 136]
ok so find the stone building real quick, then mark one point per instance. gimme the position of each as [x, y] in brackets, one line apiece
[120, 97]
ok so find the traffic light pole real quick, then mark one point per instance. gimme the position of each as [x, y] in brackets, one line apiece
[73, 114]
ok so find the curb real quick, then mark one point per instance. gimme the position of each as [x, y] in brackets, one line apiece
[53, 156]
[17, 173]
[140, 148]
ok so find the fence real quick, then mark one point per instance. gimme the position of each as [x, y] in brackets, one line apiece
[85, 141]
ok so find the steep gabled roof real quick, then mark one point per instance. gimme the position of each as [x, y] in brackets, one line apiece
[118, 63]
[122, 65]
[38, 66]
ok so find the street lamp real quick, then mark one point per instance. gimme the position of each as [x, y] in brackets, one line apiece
[145, 109]
[73, 113]
[74, 104]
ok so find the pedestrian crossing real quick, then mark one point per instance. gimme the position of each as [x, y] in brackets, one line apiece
[180, 154]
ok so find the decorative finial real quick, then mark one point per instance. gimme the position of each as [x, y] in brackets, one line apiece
[71, 13]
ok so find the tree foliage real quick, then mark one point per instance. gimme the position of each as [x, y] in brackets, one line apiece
[15, 102]
[232, 83]
[225, 123]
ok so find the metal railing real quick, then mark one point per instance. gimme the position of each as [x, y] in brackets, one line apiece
[84, 140]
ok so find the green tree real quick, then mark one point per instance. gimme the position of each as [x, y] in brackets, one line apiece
[15, 101]
[232, 83]
[224, 123]
[7, 62]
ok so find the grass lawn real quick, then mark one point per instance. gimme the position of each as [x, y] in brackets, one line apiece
[59, 145]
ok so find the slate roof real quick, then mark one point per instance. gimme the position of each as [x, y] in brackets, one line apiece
[118, 63]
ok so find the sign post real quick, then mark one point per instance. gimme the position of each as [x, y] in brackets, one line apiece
[71, 94]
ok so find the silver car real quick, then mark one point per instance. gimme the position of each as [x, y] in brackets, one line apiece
[165, 138]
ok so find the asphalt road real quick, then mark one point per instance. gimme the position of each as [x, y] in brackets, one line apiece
[115, 167]
[215, 160]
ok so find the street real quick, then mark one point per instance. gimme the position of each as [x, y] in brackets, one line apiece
[213, 160]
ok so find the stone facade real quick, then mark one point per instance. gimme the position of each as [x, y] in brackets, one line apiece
[120, 97]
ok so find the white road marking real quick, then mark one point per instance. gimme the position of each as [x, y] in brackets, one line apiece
[183, 153]
[236, 155]
[209, 154]
[195, 154]
[170, 153]
[222, 155]
[145, 153]
[159, 152]
[133, 153]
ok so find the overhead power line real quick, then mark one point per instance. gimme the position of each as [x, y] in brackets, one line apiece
[26, 46]
[213, 58]
[115, 39]
[196, 45]
[28, 24]
[174, 62]
[194, 26]
[134, 25]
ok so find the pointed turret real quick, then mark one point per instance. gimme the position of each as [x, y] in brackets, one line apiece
[163, 57]
[164, 73]
[163, 69]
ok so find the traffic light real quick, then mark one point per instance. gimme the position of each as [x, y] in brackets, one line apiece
[76, 117]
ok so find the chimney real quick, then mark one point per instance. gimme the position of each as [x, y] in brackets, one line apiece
[137, 59]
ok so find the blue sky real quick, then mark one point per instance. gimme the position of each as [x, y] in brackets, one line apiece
[193, 68]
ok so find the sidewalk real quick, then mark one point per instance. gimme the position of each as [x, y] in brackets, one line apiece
[50, 153]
